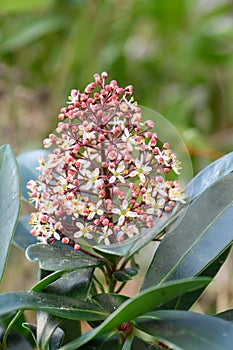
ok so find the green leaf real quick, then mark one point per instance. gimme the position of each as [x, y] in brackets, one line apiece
[187, 300]
[110, 301]
[22, 237]
[139, 344]
[205, 178]
[125, 274]
[75, 284]
[188, 330]
[105, 342]
[53, 258]
[46, 328]
[203, 234]
[28, 162]
[54, 304]
[9, 203]
[15, 341]
[226, 315]
[138, 305]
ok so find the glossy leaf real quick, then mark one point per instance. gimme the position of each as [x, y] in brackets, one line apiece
[106, 342]
[139, 344]
[15, 341]
[125, 274]
[187, 300]
[28, 162]
[54, 304]
[110, 302]
[53, 258]
[47, 326]
[9, 203]
[205, 178]
[138, 305]
[226, 315]
[188, 330]
[22, 237]
[204, 233]
[56, 339]
[74, 284]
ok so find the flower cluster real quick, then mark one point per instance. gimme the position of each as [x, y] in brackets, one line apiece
[105, 180]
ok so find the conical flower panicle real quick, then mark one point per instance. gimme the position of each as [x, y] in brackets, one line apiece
[105, 179]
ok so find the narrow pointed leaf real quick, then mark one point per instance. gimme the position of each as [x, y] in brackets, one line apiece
[204, 233]
[188, 330]
[74, 284]
[9, 203]
[15, 341]
[53, 304]
[205, 178]
[53, 258]
[138, 305]
[187, 300]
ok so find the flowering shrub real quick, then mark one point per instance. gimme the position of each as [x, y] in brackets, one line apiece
[106, 178]
[109, 178]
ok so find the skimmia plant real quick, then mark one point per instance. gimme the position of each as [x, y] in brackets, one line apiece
[106, 187]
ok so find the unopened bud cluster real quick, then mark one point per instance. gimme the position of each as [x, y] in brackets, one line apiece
[105, 180]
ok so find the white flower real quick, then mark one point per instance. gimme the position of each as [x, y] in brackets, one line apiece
[124, 212]
[176, 194]
[128, 230]
[117, 174]
[83, 231]
[92, 177]
[94, 209]
[104, 235]
[129, 140]
[140, 170]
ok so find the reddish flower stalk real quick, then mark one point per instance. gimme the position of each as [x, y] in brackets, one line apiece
[105, 179]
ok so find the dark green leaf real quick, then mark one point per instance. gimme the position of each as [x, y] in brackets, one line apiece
[226, 315]
[53, 258]
[110, 302]
[105, 342]
[187, 300]
[138, 305]
[47, 329]
[204, 233]
[56, 339]
[22, 237]
[125, 274]
[53, 304]
[75, 284]
[15, 341]
[9, 203]
[188, 330]
[28, 162]
[139, 344]
[205, 178]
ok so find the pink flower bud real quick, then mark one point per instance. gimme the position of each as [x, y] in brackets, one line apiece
[65, 240]
[101, 194]
[105, 222]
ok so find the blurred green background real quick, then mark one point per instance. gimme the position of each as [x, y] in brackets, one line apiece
[177, 53]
